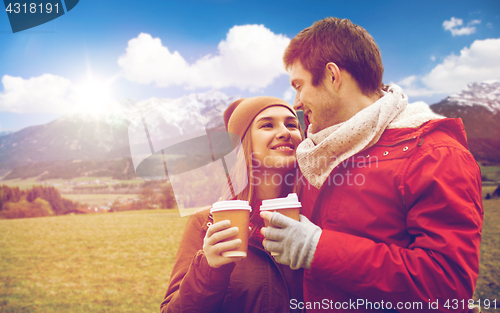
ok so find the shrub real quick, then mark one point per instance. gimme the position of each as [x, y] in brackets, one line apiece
[24, 208]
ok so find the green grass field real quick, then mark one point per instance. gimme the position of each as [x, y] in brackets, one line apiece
[115, 262]
[488, 285]
[491, 172]
[121, 262]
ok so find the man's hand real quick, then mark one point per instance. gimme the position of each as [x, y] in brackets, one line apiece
[294, 241]
[214, 244]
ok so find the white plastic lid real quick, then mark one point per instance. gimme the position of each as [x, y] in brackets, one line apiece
[290, 202]
[230, 205]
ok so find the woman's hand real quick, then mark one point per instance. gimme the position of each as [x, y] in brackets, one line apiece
[213, 244]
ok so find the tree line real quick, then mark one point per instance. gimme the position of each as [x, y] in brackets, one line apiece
[47, 201]
[35, 202]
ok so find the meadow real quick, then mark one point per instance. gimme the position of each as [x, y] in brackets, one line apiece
[121, 262]
[114, 262]
[488, 284]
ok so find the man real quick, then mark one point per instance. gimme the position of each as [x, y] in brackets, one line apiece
[392, 187]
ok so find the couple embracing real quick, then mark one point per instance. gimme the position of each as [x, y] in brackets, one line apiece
[391, 197]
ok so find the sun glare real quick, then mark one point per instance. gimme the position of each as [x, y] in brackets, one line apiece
[94, 96]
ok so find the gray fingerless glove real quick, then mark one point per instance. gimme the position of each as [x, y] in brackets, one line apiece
[294, 241]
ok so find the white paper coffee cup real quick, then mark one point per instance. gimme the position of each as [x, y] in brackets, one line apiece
[289, 206]
[238, 212]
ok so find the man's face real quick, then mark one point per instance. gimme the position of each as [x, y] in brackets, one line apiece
[318, 102]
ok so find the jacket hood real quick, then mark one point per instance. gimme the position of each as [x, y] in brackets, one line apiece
[454, 127]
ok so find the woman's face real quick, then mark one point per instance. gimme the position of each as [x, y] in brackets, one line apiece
[275, 137]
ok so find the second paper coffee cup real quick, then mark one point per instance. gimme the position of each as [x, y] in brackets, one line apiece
[289, 206]
[238, 212]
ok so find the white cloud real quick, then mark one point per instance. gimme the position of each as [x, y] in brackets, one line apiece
[453, 26]
[407, 81]
[146, 61]
[454, 22]
[249, 58]
[433, 58]
[47, 93]
[415, 91]
[289, 94]
[50, 93]
[477, 63]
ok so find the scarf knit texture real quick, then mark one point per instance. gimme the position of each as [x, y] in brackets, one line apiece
[321, 152]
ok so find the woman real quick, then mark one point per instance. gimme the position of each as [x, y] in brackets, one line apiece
[204, 281]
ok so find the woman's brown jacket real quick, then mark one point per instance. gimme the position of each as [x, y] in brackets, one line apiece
[255, 284]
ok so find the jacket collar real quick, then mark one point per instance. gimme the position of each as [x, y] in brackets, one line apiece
[452, 126]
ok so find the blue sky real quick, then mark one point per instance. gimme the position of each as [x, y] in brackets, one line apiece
[104, 51]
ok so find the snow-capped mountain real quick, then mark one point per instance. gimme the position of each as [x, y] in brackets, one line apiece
[105, 136]
[479, 108]
[486, 94]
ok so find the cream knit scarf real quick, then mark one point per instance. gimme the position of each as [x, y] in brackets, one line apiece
[320, 153]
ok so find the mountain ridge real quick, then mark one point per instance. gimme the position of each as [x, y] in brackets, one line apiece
[479, 108]
[105, 137]
[84, 137]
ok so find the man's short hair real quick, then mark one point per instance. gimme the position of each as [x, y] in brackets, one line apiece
[339, 41]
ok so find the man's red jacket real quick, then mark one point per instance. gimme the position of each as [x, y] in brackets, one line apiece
[401, 224]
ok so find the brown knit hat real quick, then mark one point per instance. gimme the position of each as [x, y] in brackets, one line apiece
[240, 114]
